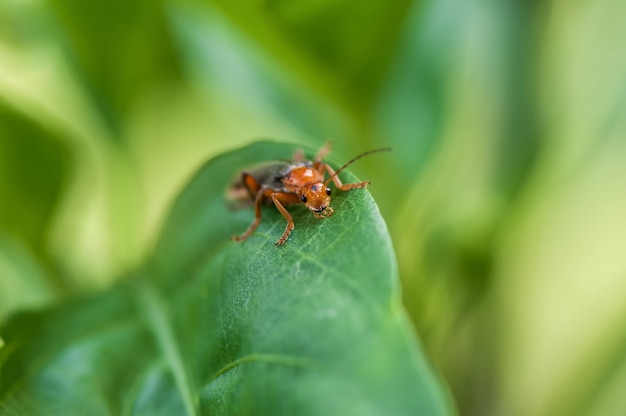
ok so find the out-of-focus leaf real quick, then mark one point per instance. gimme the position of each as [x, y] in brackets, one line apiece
[444, 48]
[121, 50]
[226, 66]
[464, 147]
[217, 327]
[324, 79]
[561, 266]
[342, 47]
[88, 232]
[34, 167]
[23, 282]
[558, 265]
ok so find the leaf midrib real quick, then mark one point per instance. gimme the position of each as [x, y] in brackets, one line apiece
[161, 327]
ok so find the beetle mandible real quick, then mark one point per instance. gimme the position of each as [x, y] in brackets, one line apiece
[300, 181]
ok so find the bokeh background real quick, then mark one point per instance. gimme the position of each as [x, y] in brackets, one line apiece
[505, 194]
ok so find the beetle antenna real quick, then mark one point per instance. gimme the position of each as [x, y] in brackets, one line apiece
[354, 159]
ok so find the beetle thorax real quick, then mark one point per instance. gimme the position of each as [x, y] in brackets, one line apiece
[301, 176]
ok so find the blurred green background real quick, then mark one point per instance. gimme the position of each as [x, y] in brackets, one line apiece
[505, 194]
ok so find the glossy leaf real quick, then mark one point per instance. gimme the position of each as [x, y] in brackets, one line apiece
[210, 326]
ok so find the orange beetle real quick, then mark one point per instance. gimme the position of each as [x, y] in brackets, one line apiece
[299, 181]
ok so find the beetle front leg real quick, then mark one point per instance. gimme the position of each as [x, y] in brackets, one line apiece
[342, 186]
[324, 214]
[290, 224]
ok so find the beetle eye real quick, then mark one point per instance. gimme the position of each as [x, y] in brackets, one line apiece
[328, 191]
[303, 198]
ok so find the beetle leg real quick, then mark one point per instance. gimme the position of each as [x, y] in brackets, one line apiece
[250, 184]
[324, 214]
[290, 224]
[257, 217]
[298, 155]
[342, 186]
[318, 163]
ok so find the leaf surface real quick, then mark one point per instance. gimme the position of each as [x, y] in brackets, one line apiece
[215, 327]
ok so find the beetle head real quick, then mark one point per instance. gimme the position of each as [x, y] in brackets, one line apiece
[316, 197]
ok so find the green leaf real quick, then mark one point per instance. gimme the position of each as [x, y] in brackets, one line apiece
[120, 52]
[23, 282]
[34, 167]
[342, 44]
[211, 326]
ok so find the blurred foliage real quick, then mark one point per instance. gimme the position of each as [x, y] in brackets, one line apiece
[505, 192]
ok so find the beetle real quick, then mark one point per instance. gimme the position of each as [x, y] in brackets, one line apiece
[299, 181]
